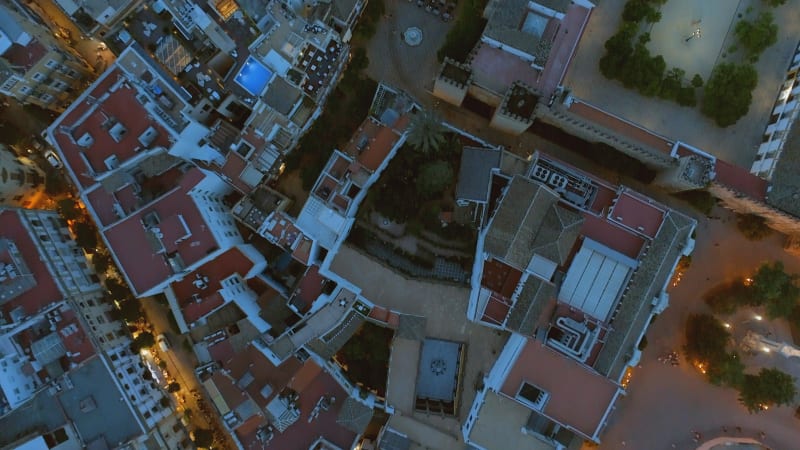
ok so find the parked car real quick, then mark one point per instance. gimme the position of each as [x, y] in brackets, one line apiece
[52, 158]
[163, 343]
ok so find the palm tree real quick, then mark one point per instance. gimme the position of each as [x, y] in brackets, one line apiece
[426, 132]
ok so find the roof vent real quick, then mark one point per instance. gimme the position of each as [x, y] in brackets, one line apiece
[117, 132]
[86, 140]
[149, 135]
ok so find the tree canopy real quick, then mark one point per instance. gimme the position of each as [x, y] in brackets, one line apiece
[775, 289]
[757, 35]
[752, 226]
[86, 235]
[728, 92]
[68, 209]
[706, 338]
[143, 340]
[203, 437]
[433, 178]
[770, 387]
[426, 132]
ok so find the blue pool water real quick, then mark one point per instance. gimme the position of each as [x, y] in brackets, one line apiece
[253, 76]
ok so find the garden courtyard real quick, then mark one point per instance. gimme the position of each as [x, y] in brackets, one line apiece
[675, 38]
[737, 143]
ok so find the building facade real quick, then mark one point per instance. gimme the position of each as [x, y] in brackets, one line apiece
[35, 68]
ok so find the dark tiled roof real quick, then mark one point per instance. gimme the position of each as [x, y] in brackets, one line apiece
[475, 173]
[531, 302]
[646, 283]
[354, 415]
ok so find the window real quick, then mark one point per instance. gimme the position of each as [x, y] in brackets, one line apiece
[50, 64]
[25, 90]
[38, 77]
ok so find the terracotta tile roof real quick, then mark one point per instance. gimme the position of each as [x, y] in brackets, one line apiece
[564, 46]
[638, 212]
[621, 126]
[379, 142]
[76, 340]
[46, 291]
[196, 310]
[498, 68]
[92, 114]
[222, 351]
[103, 205]
[128, 240]
[740, 180]
[612, 236]
[309, 289]
[579, 397]
[25, 56]
[264, 373]
[231, 262]
[302, 433]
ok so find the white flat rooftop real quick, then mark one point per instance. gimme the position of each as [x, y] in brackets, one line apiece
[595, 278]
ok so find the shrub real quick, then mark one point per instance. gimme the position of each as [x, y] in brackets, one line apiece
[752, 226]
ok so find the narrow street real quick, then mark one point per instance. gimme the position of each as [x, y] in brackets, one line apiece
[181, 364]
[88, 48]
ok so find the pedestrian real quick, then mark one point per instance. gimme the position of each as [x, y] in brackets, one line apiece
[762, 435]
[724, 429]
[738, 429]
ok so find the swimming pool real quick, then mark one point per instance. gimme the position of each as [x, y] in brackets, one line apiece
[253, 76]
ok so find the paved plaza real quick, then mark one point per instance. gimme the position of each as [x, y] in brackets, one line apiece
[444, 306]
[393, 61]
[665, 403]
[737, 143]
[675, 36]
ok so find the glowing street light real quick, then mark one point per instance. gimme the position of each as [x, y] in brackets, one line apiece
[758, 317]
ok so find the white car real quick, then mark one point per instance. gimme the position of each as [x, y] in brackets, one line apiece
[162, 342]
[52, 158]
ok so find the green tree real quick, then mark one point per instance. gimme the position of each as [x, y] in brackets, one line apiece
[775, 289]
[757, 35]
[426, 132]
[129, 310]
[118, 290]
[143, 340]
[697, 81]
[173, 387]
[726, 298]
[434, 177]
[728, 93]
[619, 49]
[752, 226]
[728, 370]
[68, 209]
[101, 262]
[638, 10]
[86, 236]
[775, 3]
[770, 387]
[203, 437]
[359, 60]
[706, 339]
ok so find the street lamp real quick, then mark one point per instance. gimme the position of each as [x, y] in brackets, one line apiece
[758, 317]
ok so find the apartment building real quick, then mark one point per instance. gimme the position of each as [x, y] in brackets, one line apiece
[21, 180]
[575, 268]
[35, 67]
[63, 354]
